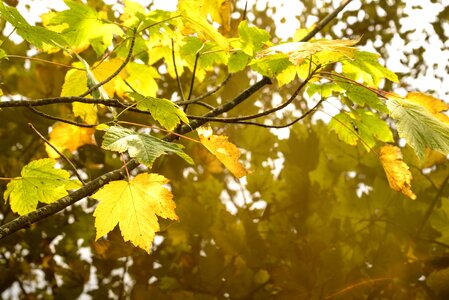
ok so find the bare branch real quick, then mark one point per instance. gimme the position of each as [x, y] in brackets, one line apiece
[42, 114]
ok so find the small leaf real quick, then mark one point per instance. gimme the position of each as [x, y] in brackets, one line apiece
[144, 147]
[162, 110]
[225, 151]
[420, 127]
[251, 38]
[134, 205]
[40, 182]
[69, 137]
[398, 174]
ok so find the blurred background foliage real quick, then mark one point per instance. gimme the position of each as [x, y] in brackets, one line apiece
[315, 219]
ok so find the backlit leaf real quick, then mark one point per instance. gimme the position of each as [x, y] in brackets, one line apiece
[143, 147]
[365, 66]
[69, 137]
[299, 51]
[225, 151]
[251, 38]
[432, 104]
[40, 37]
[167, 113]
[191, 12]
[420, 127]
[39, 182]
[398, 174]
[82, 27]
[134, 205]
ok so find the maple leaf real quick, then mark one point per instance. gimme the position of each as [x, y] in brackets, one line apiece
[432, 104]
[40, 182]
[82, 27]
[69, 137]
[134, 205]
[162, 110]
[397, 171]
[420, 122]
[225, 151]
[144, 147]
[299, 51]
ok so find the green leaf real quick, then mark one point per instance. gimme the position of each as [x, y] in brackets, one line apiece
[167, 113]
[40, 37]
[365, 66]
[362, 96]
[134, 205]
[420, 128]
[143, 147]
[81, 26]
[252, 38]
[40, 182]
[2, 54]
[325, 89]
[237, 61]
[271, 65]
[345, 128]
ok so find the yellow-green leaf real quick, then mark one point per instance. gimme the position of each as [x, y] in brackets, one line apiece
[39, 182]
[69, 137]
[134, 205]
[167, 113]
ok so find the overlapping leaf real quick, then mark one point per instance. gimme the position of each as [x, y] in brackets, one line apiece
[69, 137]
[398, 173]
[39, 182]
[40, 37]
[143, 147]
[167, 113]
[420, 123]
[134, 205]
[225, 151]
[81, 26]
[299, 51]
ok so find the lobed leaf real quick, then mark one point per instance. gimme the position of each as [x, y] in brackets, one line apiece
[167, 113]
[39, 182]
[418, 126]
[69, 137]
[143, 147]
[134, 205]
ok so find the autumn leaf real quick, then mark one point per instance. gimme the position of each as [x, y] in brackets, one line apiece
[432, 104]
[39, 182]
[299, 51]
[69, 137]
[134, 205]
[82, 27]
[167, 113]
[225, 151]
[419, 121]
[397, 171]
[144, 147]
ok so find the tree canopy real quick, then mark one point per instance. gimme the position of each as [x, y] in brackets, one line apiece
[201, 154]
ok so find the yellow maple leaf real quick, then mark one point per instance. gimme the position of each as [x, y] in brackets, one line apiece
[299, 51]
[225, 151]
[69, 137]
[134, 205]
[397, 171]
[432, 104]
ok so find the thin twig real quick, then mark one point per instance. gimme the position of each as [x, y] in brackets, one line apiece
[42, 114]
[192, 82]
[325, 21]
[119, 69]
[59, 152]
[207, 94]
[178, 80]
